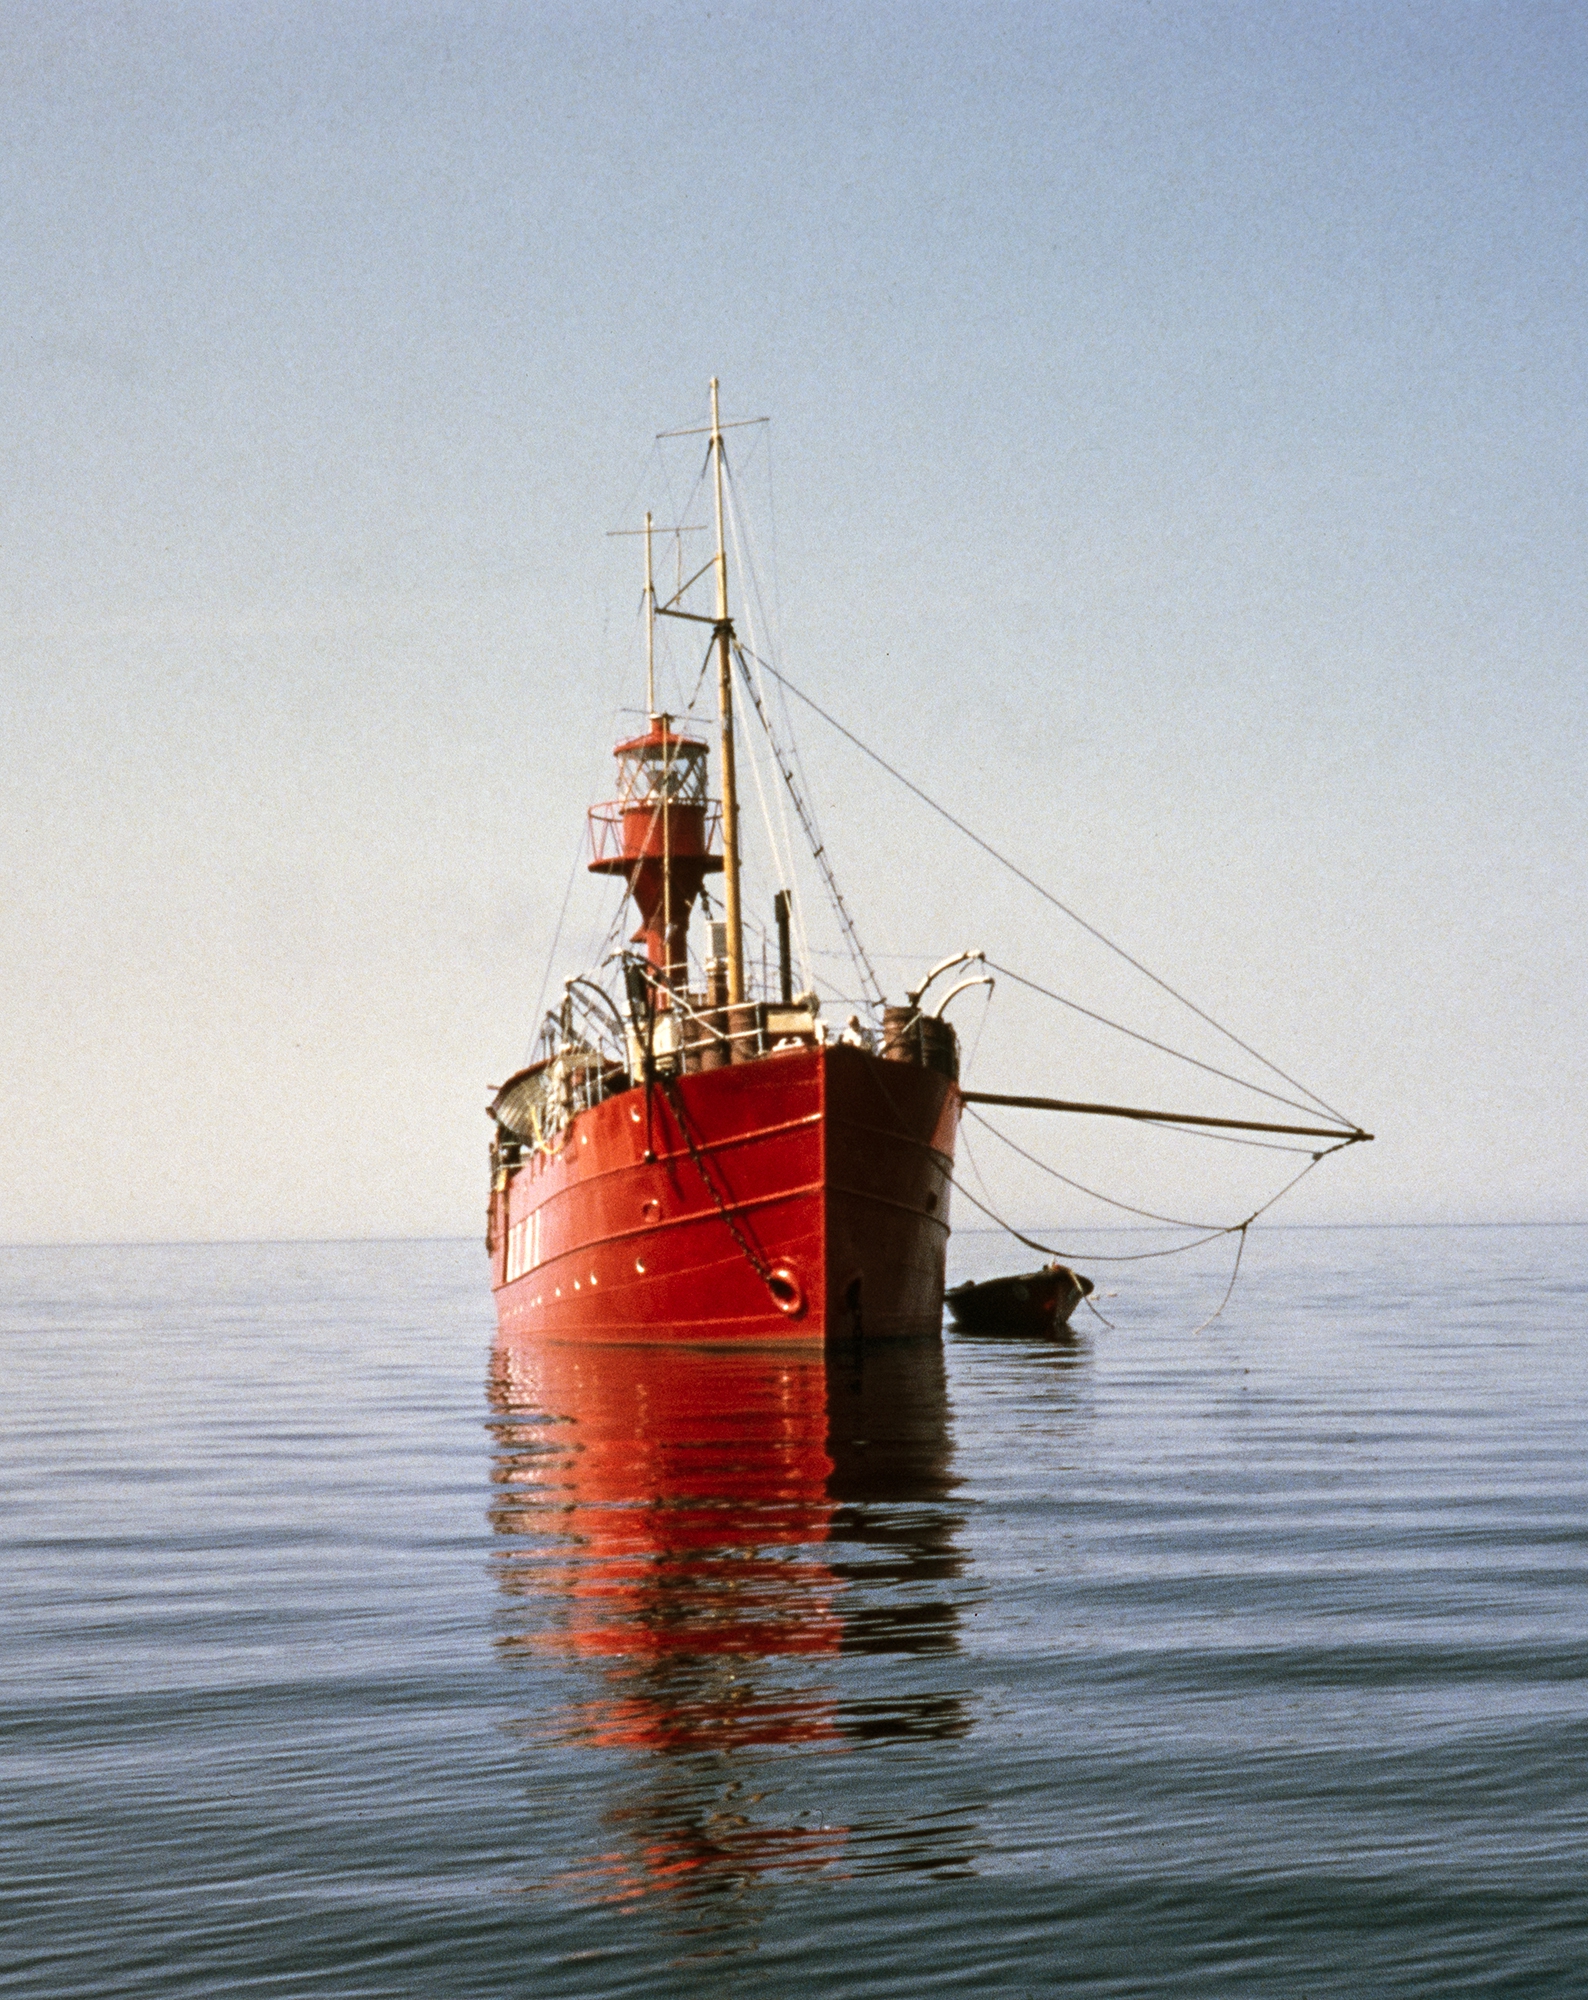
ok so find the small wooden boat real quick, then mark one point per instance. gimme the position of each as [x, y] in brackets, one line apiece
[1032, 1302]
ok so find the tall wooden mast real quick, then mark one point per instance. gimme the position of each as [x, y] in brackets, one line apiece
[730, 790]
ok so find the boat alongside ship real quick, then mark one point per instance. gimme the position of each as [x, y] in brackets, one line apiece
[1029, 1302]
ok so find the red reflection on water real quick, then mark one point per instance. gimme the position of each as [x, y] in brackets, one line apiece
[681, 1492]
[687, 1518]
[692, 1858]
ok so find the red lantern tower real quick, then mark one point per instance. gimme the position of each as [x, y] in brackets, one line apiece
[658, 833]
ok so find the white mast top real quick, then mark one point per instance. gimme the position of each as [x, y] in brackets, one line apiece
[716, 459]
[650, 628]
[651, 606]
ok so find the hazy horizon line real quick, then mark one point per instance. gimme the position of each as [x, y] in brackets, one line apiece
[1084, 1229]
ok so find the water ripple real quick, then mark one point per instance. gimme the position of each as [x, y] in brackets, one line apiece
[349, 1656]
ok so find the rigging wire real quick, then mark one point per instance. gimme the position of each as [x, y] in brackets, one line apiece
[556, 939]
[1162, 1047]
[963, 1145]
[1225, 1138]
[700, 678]
[1240, 1252]
[1049, 897]
[1174, 1221]
[771, 508]
[794, 776]
[870, 985]
[1066, 1256]
[986, 1016]
[779, 834]
[744, 544]
[1143, 1256]
[662, 460]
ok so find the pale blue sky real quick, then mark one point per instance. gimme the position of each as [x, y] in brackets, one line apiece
[1176, 465]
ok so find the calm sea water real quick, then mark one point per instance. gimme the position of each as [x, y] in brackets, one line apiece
[344, 1657]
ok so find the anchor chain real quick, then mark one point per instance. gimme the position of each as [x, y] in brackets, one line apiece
[752, 1256]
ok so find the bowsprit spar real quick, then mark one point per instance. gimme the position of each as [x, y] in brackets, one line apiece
[695, 1152]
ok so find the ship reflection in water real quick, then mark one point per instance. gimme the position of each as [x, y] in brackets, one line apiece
[702, 1541]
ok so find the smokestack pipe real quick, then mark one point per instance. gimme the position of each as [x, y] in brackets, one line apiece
[785, 961]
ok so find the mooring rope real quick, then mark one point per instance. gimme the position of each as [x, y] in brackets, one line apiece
[1143, 1256]
[1240, 1252]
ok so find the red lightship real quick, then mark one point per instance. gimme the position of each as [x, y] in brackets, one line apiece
[708, 1162]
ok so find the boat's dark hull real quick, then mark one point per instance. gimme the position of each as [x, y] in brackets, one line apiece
[1032, 1302]
[824, 1169]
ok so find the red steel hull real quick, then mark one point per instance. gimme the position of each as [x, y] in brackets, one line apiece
[827, 1168]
